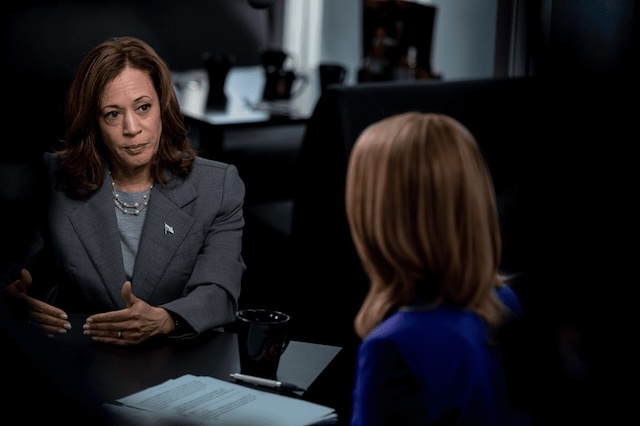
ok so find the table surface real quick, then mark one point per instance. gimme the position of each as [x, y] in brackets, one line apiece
[243, 88]
[119, 371]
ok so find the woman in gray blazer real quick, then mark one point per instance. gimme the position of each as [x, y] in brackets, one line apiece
[141, 234]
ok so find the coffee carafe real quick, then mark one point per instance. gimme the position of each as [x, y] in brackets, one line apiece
[217, 66]
[280, 83]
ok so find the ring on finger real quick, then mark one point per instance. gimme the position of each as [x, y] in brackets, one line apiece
[119, 334]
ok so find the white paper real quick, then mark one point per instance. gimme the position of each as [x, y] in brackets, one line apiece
[203, 400]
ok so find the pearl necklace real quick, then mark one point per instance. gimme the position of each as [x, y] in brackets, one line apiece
[126, 208]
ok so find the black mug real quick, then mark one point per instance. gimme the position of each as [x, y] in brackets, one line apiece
[263, 336]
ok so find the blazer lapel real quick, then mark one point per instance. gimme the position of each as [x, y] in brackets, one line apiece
[166, 226]
[96, 226]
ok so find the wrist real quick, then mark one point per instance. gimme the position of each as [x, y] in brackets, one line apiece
[176, 324]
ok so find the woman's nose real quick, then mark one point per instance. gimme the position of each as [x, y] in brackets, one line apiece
[130, 125]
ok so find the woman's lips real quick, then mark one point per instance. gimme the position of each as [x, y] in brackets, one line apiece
[135, 149]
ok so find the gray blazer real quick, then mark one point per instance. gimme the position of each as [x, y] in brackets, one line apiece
[189, 259]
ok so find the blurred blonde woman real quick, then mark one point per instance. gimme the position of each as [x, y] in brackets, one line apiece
[421, 208]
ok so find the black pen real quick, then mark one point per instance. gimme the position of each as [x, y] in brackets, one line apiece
[274, 384]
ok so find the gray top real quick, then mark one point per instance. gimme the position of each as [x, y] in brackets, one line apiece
[130, 226]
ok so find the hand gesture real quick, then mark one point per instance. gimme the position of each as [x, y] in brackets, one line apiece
[136, 323]
[51, 319]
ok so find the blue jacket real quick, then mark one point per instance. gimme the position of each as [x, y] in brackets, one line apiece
[433, 366]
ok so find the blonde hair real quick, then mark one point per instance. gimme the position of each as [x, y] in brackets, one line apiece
[421, 208]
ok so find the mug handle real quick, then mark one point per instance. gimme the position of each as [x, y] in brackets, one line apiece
[285, 344]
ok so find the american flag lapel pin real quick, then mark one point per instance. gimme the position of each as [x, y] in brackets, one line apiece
[168, 229]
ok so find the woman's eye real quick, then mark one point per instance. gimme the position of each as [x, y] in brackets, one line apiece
[145, 107]
[112, 115]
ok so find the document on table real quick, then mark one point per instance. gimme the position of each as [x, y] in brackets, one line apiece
[200, 400]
